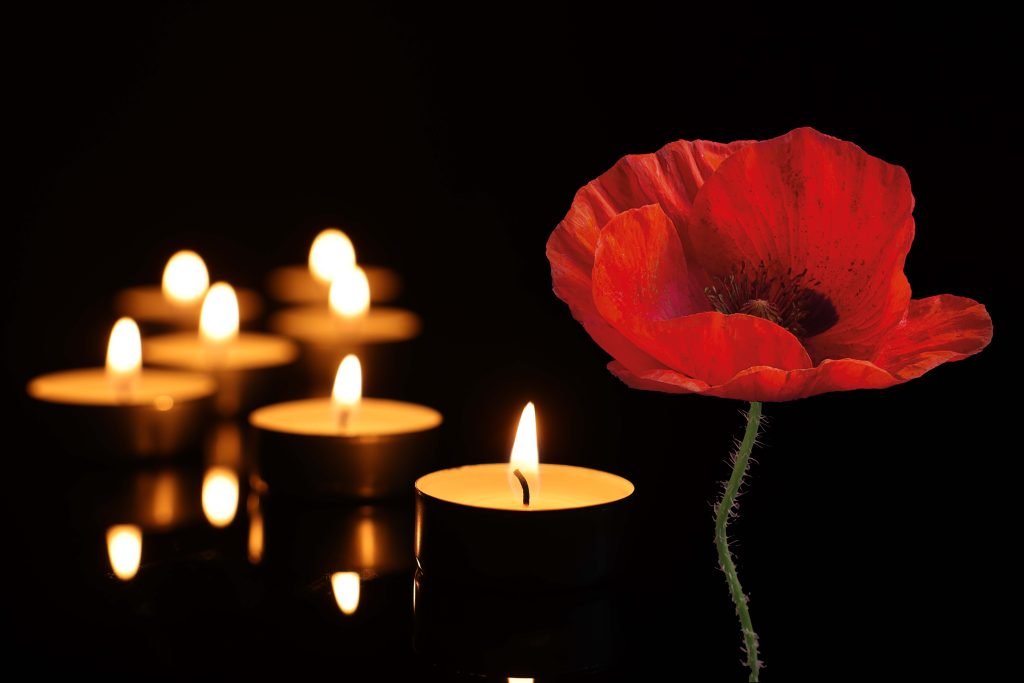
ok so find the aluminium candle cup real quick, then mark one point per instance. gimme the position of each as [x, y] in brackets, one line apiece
[306, 540]
[473, 630]
[248, 370]
[470, 527]
[380, 338]
[304, 451]
[296, 285]
[150, 308]
[165, 414]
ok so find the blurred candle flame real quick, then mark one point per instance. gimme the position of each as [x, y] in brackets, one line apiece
[525, 456]
[218, 319]
[331, 254]
[350, 293]
[348, 384]
[185, 278]
[124, 547]
[124, 353]
[346, 591]
[220, 496]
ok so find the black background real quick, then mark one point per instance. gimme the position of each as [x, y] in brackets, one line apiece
[448, 145]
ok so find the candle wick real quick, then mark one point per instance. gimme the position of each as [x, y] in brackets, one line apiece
[525, 485]
[343, 417]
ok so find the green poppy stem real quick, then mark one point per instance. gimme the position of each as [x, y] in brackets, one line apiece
[724, 510]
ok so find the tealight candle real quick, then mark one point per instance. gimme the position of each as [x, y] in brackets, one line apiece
[523, 521]
[345, 445]
[243, 363]
[125, 410]
[177, 301]
[331, 253]
[347, 324]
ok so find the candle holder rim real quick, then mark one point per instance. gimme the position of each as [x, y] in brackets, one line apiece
[348, 438]
[209, 389]
[535, 511]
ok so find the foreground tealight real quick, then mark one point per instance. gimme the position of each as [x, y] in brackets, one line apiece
[470, 520]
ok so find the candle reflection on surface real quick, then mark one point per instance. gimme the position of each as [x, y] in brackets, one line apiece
[346, 591]
[220, 496]
[255, 547]
[124, 547]
[225, 446]
[165, 498]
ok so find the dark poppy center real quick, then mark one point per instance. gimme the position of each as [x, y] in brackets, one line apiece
[786, 298]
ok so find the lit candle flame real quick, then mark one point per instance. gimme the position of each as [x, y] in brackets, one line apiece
[218, 320]
[185, 278]
[331, 254]
[220, 496]
[525, 458]
[346, 591]
[350, 293]
[348, 388]
[124, 355]
[124, 547]
[512, 679]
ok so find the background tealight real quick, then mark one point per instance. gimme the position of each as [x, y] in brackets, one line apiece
[246, 365]
[345, 445]
[348, 324]
[331, 253]
[124, 410]
[177, 301]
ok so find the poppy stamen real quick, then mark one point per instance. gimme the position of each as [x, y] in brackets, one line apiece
[788, 299]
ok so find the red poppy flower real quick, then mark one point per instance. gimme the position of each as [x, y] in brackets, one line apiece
[762, 271]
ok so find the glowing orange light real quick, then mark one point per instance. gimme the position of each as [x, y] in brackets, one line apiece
[348, 384]
[124, 547]
[218, 319]
[220, 496]
[124, 351]
[331, 254]
[255, 529]
[350, 293]
[185, 278]
[346, 591]
[525, 458]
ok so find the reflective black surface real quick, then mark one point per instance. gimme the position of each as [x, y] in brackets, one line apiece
[875, 532]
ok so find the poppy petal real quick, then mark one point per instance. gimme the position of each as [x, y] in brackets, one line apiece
[711, 347]
[809, 201]
[764, 383]
[773, 384]
[937, 330]
[640, 269]
[657, 378]
[669, 177]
